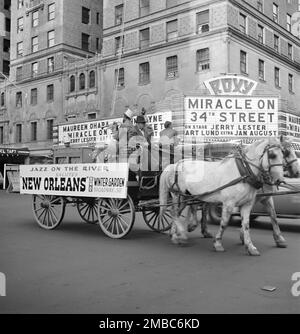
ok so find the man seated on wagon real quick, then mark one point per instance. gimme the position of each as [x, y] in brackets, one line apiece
[168, 136]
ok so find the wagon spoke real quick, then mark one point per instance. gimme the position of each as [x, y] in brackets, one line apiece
[52, 210]
[41, 213]
[51, 218]
[122, 220]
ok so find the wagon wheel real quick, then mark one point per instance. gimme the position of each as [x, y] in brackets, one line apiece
[116, 216]
[156, 221]
[87, 209]
[48, 210]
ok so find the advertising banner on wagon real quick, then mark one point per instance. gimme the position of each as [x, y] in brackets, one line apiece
[231, 112]
[100, 131]
[82, 180]
[87, 132]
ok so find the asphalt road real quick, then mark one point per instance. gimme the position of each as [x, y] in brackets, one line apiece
[76, 269]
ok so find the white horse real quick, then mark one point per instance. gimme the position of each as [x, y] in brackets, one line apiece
[221, 182]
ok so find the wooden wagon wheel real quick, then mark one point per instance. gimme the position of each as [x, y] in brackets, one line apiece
[48, 210]
[156, 221]
[116, 216]
[87, 209]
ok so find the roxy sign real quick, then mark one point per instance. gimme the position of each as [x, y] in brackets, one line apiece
[231, 85]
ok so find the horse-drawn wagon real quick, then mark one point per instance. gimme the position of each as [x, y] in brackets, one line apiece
[114, 213]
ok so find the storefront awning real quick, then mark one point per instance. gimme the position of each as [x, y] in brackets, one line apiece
[12, 152]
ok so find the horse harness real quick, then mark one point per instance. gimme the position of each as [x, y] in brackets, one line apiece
[246, 173]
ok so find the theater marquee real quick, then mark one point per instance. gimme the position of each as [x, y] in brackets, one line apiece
[232, 112]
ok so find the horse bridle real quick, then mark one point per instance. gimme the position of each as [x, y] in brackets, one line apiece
[265, 173]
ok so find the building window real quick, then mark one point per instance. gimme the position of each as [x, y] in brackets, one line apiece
[260, 33]
[171, 3]
[35, 18]
[202, 22]
[6, 45]
[144, 7]
[7, 4]
[72, 84]
[34, 69]
[51, 12]
[49, 129]
[243, 23]
[291, 83]
[19, 49]
[202, 59]
[261, 69]
[243, 62]
[277, 77]
[19, 73]
[290, 51]
[172, 30]
[144, 38]
[119, 14]
[92, 79]
[2, 103]
[20, 24]
[50, 93]
[33, 132]
[97, 44]
[50, 64]
[20, 4]
[172, 67]
[7, 24]
[19, 99]
[92, 116]
[85, 18]
[18, 133]
[1, 135]
[260, 5]
[276, 43]
[81, 81]
[275, 12]
[51, 38]
[5, 65]
[289, 22]
[98, 18]
[119, 44]
[34, 44]
[33, 97]
[120, 78]
[85, 42]
[144, 73]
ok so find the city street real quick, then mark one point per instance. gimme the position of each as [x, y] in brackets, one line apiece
[77, 269]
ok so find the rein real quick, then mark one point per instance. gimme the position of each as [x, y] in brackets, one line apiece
[247, 175]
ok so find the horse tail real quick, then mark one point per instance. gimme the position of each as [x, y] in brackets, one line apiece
[164, 189]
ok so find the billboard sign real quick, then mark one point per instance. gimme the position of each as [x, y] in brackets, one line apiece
[83, 180]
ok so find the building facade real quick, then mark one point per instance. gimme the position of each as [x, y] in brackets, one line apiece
[170, 47]
[46, 37]
[154, 53]
[4, 37]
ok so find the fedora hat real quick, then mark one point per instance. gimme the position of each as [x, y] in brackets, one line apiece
[128, 113]
[140, 119]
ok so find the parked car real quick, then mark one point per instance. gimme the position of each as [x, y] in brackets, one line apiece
[286, 206]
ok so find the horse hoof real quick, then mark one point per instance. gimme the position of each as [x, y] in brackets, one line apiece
[281, 244]
[219, 248]
[207, 235]
[253, 251]
[191, 228]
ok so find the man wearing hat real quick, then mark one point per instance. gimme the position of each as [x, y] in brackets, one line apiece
[141, 129]
[126, 128]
